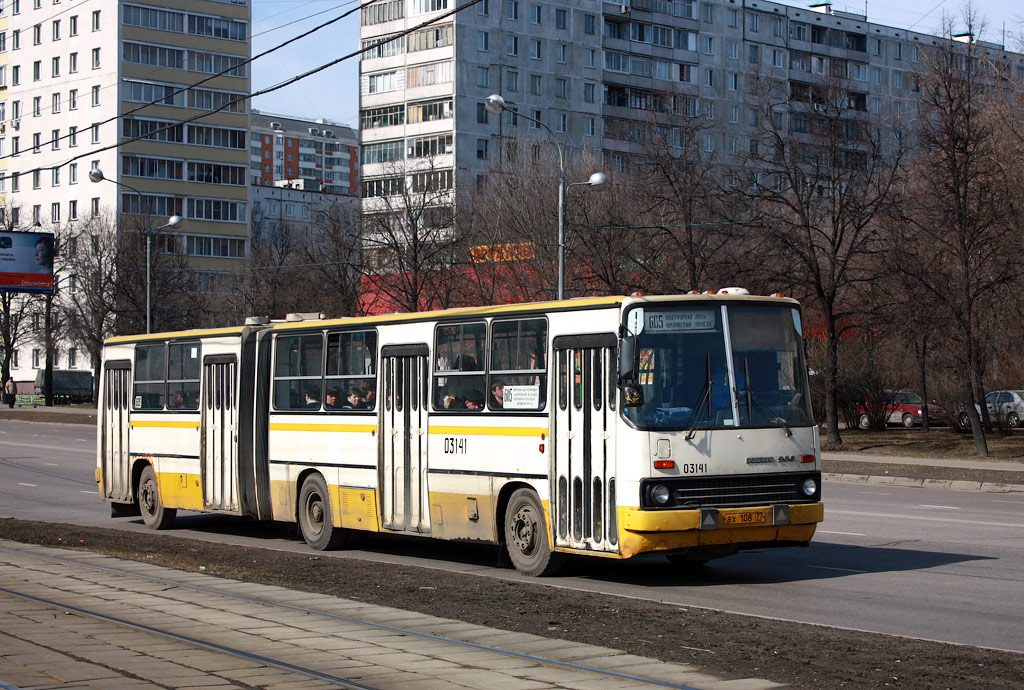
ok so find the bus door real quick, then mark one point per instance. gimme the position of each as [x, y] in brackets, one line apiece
[218, 430]
[583, 490]
[117, 483]
[403, 438]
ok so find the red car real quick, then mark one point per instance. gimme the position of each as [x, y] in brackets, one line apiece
[898, 407]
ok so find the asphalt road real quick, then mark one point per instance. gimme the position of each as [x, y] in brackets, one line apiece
[933, 564]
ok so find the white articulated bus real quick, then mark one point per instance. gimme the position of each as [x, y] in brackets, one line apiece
[612, 426]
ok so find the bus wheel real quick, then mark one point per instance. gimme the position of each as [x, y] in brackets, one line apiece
[153, 512]
[315, 516]
[526, 537]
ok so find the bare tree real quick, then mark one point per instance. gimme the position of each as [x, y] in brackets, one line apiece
[818, 172]
[90, 292]
[411, 244]
[960, 242]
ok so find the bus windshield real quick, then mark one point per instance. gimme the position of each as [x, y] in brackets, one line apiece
[713, 365]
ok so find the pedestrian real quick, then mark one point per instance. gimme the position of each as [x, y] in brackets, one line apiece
[10, 391]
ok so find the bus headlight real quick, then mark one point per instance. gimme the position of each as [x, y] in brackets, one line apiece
[809, 487]
[660, 494]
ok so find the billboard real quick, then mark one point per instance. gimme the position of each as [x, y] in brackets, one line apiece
[26, 262]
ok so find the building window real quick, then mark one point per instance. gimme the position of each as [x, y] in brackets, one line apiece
[589, 24]
[535, 14]
[512, 45]
[481, 149]
[36, 358]
[482, 76]
[55, 212]
[512, 10]
[481, 113]
[95, 96]
[96, 20]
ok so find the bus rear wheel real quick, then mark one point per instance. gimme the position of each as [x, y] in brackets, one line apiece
[526, 536]
[315, 516]
[152, 509]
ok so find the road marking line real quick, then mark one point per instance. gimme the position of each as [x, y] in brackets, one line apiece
[51, 464]
[849, 534]
[1014, 503]
[83, 491]
[25, 484]
[926, 505]
[842, 570]
[893, 516]
[873, 493]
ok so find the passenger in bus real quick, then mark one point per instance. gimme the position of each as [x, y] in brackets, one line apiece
[497, 394]
[474, 401]
[312, 402]
[354, 400]
[177, 401]
[331, 399]
[369, 394]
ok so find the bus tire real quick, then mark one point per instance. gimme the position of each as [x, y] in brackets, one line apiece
[315, 516]
[526, 536]
[154, 514]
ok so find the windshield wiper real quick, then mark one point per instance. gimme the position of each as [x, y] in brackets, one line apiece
[752, 401]
[705, 394]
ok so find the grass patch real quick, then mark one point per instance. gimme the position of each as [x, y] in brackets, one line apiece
[940, 442]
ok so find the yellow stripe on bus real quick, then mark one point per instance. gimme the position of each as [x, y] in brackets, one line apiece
[164, 424]
[284, 426]
[488, 431]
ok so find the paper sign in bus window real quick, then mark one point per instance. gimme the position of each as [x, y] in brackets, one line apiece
[522, 398]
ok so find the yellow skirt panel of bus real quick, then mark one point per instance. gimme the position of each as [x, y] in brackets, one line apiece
[355, 508]
[462, 516]
[184, 491]
[642, 531]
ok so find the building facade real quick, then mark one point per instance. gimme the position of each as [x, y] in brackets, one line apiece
[596, 73]
[114, 86]
[316, 155]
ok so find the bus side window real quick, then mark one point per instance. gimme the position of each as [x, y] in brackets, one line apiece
[150, 376]
[518, 365]
[459, 378]
[298, 372]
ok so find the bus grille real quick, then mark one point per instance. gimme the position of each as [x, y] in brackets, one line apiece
[730, 491]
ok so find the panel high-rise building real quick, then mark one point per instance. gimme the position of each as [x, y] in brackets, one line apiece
[599, 73]
[115, 86]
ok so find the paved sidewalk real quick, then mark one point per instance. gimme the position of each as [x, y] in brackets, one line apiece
[376, 646]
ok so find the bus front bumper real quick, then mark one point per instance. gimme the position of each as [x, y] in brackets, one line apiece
[644, 531]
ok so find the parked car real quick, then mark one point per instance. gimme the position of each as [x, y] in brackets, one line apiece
[1006, 408]
[898, 407]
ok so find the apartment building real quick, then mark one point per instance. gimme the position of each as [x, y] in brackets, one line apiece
[315, 155]
[597, 73]
[98, 84]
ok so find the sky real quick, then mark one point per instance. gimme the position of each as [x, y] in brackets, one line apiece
[333, 94]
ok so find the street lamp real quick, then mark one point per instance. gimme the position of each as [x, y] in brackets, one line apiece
[96, 175]
[495, 105]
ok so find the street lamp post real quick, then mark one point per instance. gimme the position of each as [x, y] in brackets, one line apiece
[495, 105]
[96, 175]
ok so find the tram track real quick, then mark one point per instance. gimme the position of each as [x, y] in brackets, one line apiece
[455, 645]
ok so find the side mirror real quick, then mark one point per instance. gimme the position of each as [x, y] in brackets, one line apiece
[632, 395]
[629, 366]
[629, 357]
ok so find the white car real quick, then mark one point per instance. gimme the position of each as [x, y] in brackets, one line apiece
[1006, 408]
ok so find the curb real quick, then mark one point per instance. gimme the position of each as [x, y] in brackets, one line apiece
[952, 484]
